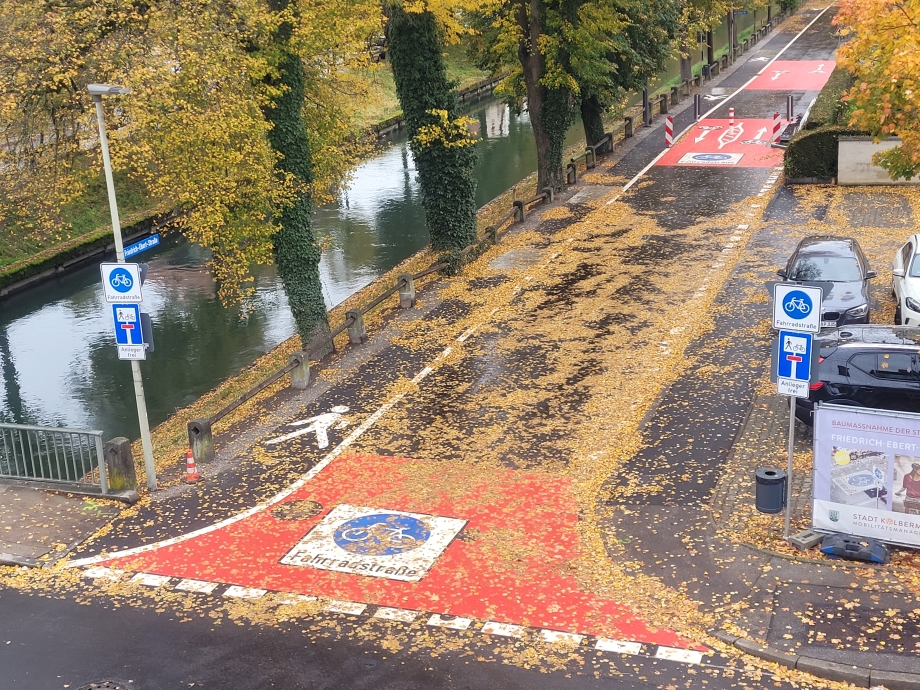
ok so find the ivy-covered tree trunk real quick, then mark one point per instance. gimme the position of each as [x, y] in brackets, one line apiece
[445, 167]
[297, 253]
[592, 117]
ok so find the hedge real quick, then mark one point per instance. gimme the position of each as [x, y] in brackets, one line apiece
[829, 109]
[813, 154]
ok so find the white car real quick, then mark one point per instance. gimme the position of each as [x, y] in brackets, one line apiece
[905, 283]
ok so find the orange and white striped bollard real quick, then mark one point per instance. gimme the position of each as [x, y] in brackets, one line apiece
[669, 132]
[775, 136]
[191, 472]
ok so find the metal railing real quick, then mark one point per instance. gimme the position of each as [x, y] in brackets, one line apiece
[54, 455]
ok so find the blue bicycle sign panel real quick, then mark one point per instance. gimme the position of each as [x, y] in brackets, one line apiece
[382, 534]
[121, 280]
[797, 304]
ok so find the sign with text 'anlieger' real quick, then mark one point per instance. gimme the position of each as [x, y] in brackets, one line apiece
[793, 362]
[867, 473]
[797, 307]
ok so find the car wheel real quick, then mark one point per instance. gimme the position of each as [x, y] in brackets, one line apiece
[897, 315]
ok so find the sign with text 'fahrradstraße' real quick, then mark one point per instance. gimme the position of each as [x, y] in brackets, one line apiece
[867, 473]
[797, 307]
[121, 283]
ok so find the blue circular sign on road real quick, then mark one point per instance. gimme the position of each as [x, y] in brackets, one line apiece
[121, 280]
[797, 304]
[712, 156]
[382, 534]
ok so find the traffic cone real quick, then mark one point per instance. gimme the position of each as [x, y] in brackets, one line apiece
[191, 472]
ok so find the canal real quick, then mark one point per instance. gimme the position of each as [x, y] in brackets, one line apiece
[58, 364]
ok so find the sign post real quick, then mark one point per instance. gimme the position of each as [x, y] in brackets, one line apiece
[796, 315]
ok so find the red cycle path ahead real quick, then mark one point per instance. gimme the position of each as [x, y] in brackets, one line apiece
[514, 562]
[741, 144]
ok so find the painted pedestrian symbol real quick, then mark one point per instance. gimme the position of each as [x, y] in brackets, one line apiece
[320, 425]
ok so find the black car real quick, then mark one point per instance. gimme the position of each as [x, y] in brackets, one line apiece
[866, 366]
[838, 260]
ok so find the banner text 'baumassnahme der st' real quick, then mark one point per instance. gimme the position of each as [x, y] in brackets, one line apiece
[867, 473]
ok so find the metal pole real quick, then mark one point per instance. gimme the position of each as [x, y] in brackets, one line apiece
[146, 443]
[789, 467]
[789, 108]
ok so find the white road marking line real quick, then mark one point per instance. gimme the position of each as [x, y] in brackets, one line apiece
[457, 623]
[290, 599]
[559, 637]
[401, 615]
[422, 374]
[352, 608]
[466, 334]
[616, 198]
[197, 586]
[238, 592]
[743, 226]
[151, 580]
[101, 572]
[607, 645]
[685, 656]
[447, 351]
[503, 629]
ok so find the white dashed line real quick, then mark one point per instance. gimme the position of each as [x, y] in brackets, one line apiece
[401, 615]
[238, 592]
[197, 586]
[352, 608]
[150, 580]
[503, 629]
[453, 623]
[607, 645]
[685, 656]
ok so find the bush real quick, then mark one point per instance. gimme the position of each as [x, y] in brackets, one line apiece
[828, 108]
[814, 153]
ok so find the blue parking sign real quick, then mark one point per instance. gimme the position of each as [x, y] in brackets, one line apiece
[127, 324]
[793, 359]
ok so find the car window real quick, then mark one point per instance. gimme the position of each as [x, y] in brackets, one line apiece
[835, 268]
[907, 251]
[914, 267]
[886, 365]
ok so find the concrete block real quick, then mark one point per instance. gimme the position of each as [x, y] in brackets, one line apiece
[891, 680]
[119, 465]
[833, 671]
[300, 375]
[407, 289]
[806, 539]
[200, 440]
[357, 332]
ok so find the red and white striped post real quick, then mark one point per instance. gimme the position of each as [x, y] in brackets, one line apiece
[669, 132]
[191, 472]
[775, 136]
[731, 117]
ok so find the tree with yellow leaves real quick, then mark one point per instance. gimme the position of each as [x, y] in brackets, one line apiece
[239, 116]
[883, 53]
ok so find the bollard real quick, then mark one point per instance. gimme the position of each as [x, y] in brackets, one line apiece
[646, 108]
[590, 158]
[669, 132]
[731, 117]
[491, 233]
[697, 106]
[119, 465]
[357, 333]
[775, 128]
[300, 375]
[548, 199]
[407, 290]
[789, 109]
[520, 211]
[200, 440]
[663, 104]
[675, 95]
[571, 173]
[628, 127]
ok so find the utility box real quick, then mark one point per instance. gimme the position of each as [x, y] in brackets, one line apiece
[770, 495]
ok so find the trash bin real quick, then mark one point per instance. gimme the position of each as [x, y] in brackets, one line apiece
[855, 548]
[770, 496]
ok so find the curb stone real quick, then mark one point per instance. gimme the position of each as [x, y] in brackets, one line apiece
[828, 670]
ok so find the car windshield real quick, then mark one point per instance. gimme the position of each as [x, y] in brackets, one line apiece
[915, 267]
[838, 269]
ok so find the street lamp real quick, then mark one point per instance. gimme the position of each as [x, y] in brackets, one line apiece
[97, 91]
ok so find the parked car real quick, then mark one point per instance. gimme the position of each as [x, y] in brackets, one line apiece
[866, 366]
[905, 283]
[838, 260]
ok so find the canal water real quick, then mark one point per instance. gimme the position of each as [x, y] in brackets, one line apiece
[58, 364]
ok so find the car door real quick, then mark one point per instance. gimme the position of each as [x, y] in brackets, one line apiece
[886, 379]
[901, 262]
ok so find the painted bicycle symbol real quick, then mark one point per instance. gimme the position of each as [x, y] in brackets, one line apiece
[797, 304]
[383, 534]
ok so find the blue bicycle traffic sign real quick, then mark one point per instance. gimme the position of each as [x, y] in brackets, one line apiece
[797, 307]
[121, 283]
[383, 534]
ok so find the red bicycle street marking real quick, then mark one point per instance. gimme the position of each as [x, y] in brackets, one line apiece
[793, 75]
[514, 561]
[745, 144]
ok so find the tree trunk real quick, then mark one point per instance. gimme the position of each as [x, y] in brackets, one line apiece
[551, 110]
[296, 251]
[445, 173]
[592, 117]
[686, 60]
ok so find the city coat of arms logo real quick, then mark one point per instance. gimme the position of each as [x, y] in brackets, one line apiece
[834, 515]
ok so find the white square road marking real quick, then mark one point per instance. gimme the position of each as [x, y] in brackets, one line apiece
[151, 580]
[454, 623]
[244, 592]
[289, 599]
[197, 586]
[103, 573]
[558, 637]
[352, 608]
[607, 645]
[504, 629]
[402, 615]
[686, 656]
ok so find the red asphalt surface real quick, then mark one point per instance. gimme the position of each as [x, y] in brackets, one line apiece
[516, 566]
[793, 75]
[745, 144]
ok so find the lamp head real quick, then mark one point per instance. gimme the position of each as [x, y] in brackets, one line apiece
[107, 89]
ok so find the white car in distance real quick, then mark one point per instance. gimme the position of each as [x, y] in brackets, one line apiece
[905, 283]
